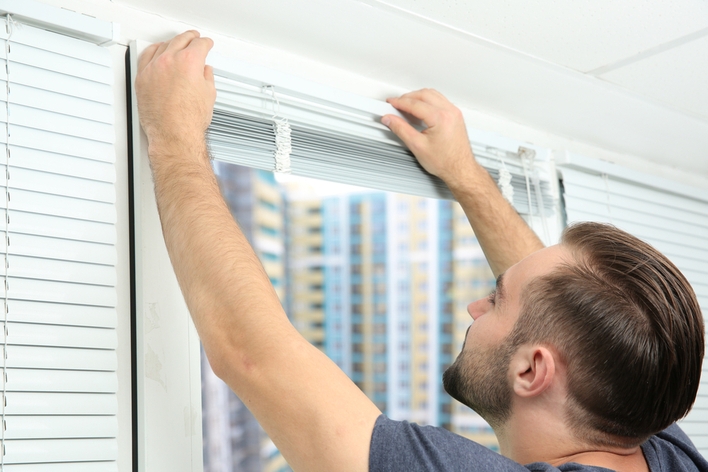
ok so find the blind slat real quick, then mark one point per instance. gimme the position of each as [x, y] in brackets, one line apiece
[33, 357]
[29, 334]
[61, 292]
[35, 403]
[59, 249]
[57, 205]
[67, 65]
[59, 123]
[60, 143]
[57, 43]
[63, 165]
[59, 450]
[111, 466]
[61, 185]
[57, 82]
[57, 102]
[60, 227]
[62, 314]
[56, 270]
[74, 381]
[61, 427]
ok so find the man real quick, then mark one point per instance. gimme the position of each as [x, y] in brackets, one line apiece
[583, 353]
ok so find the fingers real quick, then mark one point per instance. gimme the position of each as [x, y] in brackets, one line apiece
[161, 49]
[416, 107]
[201, 45]
[178, 43]
[431, 96]
[181, 41]
[147, 56]
[402, 129]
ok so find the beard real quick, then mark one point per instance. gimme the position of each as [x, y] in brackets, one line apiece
[479, 380]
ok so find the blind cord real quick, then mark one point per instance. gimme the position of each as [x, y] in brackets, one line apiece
[505, 186]
[606, 180]
[283, 138]
[9, 27]
[529, 155]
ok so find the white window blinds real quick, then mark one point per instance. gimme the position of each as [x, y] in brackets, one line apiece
[671, 217]
[337, 136]
[57, 219]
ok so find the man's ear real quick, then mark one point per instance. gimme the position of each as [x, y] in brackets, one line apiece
[534, 369]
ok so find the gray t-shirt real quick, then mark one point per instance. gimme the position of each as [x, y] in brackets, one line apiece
[402, 446]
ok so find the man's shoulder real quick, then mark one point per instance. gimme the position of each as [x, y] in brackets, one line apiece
[404, 446]
[672, 450]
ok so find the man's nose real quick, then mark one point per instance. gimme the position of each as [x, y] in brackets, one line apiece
[478, 308]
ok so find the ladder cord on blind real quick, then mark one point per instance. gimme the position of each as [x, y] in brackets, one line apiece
[283, 137]
[9, 27]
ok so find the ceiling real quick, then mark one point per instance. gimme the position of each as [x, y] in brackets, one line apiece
[630, 76]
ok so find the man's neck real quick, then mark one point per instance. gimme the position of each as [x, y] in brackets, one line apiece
[538, 439]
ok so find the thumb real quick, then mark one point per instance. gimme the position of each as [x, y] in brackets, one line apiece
[409, 135]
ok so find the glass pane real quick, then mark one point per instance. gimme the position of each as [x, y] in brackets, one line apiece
[378, 281]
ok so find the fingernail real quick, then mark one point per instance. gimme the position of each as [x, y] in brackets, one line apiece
[386, 120]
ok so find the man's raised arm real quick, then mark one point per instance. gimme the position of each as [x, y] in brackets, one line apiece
[316, 416]
[443, 149]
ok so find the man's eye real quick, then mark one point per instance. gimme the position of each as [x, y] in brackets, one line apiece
[491, 296]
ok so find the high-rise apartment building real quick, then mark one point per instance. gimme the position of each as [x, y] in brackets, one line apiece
[415, 320]
[384, 276]
[305, 269]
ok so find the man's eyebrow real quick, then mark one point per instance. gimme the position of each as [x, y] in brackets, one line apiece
[500, 292]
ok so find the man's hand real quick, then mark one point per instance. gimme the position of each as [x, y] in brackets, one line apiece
[175, 90]
[443, 148]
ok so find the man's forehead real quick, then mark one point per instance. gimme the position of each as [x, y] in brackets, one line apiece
[535, 265]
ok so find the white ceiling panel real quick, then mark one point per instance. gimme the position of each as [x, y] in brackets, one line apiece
[580, 34]
[678, 77]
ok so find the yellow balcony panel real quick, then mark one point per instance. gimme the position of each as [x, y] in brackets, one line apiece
[274, 268]
[268, 219]
[309, 296]
[267, 191]
[311, 316]
[305, 277]
[313, 335]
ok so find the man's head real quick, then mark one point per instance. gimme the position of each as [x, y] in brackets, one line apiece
[622, 320]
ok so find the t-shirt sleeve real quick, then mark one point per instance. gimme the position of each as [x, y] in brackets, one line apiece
[403, 446]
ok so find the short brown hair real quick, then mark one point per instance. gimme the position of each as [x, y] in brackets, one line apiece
[627, 325]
